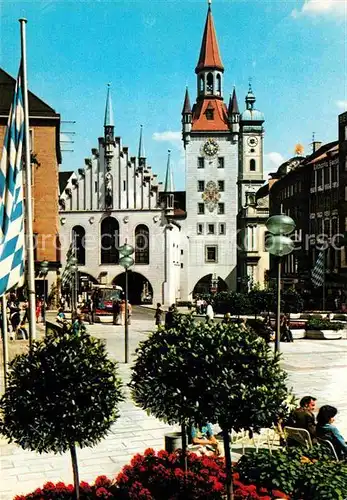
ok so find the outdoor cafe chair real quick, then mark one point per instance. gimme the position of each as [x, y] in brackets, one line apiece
[301, 436]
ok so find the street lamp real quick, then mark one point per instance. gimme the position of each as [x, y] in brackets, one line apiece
[44, 271]
[279, 244]
[126, 261]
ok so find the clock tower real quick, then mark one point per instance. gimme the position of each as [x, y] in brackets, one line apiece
[210, 131]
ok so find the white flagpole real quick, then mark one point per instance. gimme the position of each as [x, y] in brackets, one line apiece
[4, 338]
[28, 195]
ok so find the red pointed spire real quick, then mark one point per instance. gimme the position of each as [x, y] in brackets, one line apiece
[209, 52]
[233, 106]
[186, 106]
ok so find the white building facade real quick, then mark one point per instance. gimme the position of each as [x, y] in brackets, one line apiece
[185, 243]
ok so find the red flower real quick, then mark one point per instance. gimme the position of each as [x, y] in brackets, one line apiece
[163, 454]
[38, 492]
[179, 473]
[60, 487]
[103, 493]
[85, 487]
[103, 481]
[122, 478]
[49, 486]
[149, 452]
[280, 494]
[70, 488]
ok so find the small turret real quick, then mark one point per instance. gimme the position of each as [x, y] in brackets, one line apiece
[169, 187]
[109, 130]
[141, 154]
[234, 113]
[186, 118]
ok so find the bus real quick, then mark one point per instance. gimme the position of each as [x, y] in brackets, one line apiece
[104, 296]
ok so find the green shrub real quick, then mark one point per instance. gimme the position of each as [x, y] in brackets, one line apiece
[323, 324]
[340, 317]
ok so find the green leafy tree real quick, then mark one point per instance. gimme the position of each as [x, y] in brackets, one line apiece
[214, 373]
[62, 393]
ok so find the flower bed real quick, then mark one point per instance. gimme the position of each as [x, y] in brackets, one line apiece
[159, 476]
[324, 329]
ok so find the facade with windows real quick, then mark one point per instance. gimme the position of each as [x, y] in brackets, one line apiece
[184, 242]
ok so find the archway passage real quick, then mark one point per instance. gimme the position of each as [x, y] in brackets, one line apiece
[140, 290]
[205, 285]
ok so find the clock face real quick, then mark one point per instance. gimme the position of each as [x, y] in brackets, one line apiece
[210, 147]
[252, 141]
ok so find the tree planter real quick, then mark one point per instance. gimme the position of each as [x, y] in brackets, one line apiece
[173, 441]
[324, 334]
[299, 333]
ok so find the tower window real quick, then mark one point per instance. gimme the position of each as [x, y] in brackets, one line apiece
[201, 83]
[221, 210]
[201, 208]
[209, 86]
[201, 186]
[220, 185]
[210, 229]
[222, 228]
[209, 113]
[211, 253]
[221, 162]
[252, 165]
[219, 85]
[200, 229]
[141, 244]
[201, 162]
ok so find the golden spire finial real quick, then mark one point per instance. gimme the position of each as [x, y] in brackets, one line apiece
[299, 149]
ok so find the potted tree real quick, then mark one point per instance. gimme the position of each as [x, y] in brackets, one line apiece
[214, 373]
[62, 393]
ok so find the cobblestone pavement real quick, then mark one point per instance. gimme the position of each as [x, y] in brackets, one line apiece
[314, 367]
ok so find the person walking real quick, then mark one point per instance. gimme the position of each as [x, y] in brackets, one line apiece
[122, 312]
[116, 309]
[158, 315]
[38, 309]
[209, 313]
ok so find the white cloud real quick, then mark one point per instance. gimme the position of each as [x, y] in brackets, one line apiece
[321, 7]
[168, 136]
[271, 162]
[341, 105]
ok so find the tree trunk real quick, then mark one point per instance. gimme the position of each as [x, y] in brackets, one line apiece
[228, 465]
[184, 447]
[75, 471]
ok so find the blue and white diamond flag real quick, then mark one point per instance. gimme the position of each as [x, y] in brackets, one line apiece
[11, 197]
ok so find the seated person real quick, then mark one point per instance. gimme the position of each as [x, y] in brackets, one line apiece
[204, 437]
[61, 319]
[286, 334]
[326, 430]
[304, 418]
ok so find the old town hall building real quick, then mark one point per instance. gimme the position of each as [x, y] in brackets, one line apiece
[185, 242]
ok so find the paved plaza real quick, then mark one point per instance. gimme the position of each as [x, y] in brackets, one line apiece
[314, 367]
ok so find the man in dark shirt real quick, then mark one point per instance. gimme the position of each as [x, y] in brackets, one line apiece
[303, 416]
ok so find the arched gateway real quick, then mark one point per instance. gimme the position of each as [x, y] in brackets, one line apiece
[140, 289]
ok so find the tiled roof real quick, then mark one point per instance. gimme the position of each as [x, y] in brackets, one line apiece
[233, 106]
[220, 119]
[209, 52]
[332, 151]
[186, 106]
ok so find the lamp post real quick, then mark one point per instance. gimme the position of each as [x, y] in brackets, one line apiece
[279, 244]
[73, 268]
[126, 261]
[44, 271]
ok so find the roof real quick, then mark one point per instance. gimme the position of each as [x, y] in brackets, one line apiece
[252, 115]
[63, 180]
[233, 105]
[209, 52]
[37, 107]
[186, 106]
[141, 152]
[220, 119]
[109, 121]
[332, 148]
[169, 182]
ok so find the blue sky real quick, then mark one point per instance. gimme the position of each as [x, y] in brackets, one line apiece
[294, 51]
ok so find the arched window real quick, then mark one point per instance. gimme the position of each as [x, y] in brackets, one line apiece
[252, 165]
[219, 85]
[201, 84]
[78, 243]
[209, 82]
[109, 241]
[141, 244]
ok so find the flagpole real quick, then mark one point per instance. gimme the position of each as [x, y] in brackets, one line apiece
[4, 338]
[28, 195]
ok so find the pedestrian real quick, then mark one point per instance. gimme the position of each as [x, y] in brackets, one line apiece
[158, 315]
[38, 309]
[286, 334]
[116, 309]
[130, 313]
[43, 309]
[169, 318]
[91, 310]
[78, 324]
[122, 312]
[62, 302]
[209, 313]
